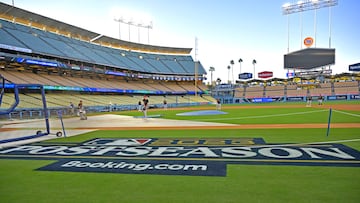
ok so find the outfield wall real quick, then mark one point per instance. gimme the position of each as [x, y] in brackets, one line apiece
[229, 94]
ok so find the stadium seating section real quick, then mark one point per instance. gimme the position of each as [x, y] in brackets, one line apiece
[48, 43]
[296, 90]
[69, 49]
[52, 45]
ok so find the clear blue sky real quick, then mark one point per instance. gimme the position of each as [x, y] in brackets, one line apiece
[226, 30]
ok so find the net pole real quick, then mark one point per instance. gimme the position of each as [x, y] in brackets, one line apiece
[46, 113]
[329, 120]
[62, 123]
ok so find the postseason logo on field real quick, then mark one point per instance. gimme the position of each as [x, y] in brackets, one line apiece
[180, 156]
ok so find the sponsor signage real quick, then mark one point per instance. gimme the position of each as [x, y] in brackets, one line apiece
[75, 67]
[313, 73]
[170, 167]
[35, 62]
[354, 67]
[290, 74]
[41, 63]
[180, 156]
[265, 74]
[294, 98]
[245, 76]
[108, 72]
[15, 48]
[261, 100]
[338, 97]
[224, 86]
[308, 42]
[86, 68]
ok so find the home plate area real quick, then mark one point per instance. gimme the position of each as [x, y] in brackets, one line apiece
[74, 126]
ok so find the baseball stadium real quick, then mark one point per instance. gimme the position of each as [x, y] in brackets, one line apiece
[85, 117]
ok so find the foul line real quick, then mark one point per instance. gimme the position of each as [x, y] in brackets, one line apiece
[264, 116]
[350, 114]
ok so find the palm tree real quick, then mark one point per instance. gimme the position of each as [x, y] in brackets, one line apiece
[232, 69]
[254, 62]
[240, 61]
[218, 81]
[228, 74]
[211, 69]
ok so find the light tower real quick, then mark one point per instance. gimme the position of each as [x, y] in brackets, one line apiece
[232, 70]
[254, 62]
[139, 25]
[306, 5]
[211, 69]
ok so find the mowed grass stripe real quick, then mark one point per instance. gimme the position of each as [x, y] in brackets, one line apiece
[20, 182]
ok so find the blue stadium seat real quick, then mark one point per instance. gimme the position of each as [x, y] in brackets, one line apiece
[34, 42]
[49, 43]
[8, 39]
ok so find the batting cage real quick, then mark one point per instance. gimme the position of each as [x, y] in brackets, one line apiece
[22, 105]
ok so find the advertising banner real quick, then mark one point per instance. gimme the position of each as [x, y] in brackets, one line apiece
[245, 76]
[265, 74]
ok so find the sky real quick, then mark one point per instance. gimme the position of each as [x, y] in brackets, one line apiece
[217, 31]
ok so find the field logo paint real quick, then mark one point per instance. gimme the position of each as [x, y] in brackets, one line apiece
[119, 142]
[180, 156]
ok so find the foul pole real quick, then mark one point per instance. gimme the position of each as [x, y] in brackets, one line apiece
[196, 66]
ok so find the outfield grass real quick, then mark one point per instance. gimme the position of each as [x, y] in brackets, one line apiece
[264, 116]
[282, 115]
[20, 182]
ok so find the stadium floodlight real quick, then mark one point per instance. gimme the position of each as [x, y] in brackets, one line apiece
[119, 20]
[147, 26]
[254, 62]
[212, 69]
[130, 22]
[138, 25]
[228, 67]
[306, 5]
[232, 69]
[300, 6]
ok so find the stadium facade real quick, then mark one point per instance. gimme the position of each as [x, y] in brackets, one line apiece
[74, 63]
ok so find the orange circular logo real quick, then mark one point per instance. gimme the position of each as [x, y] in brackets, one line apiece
[308, 41]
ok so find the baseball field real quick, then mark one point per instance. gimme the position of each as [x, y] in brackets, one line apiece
[263, 153]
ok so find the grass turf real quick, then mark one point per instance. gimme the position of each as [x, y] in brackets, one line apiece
[20, 182]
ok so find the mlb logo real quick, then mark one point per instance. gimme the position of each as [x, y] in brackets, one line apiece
[119, 142]
[128, 142]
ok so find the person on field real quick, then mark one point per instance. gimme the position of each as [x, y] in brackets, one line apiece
[320, 100]
[309, 101]
[81, 111]
[218, 104]
[165, 104]
[139, 106]
[145, 105]
[110, 106]
[72, 109]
